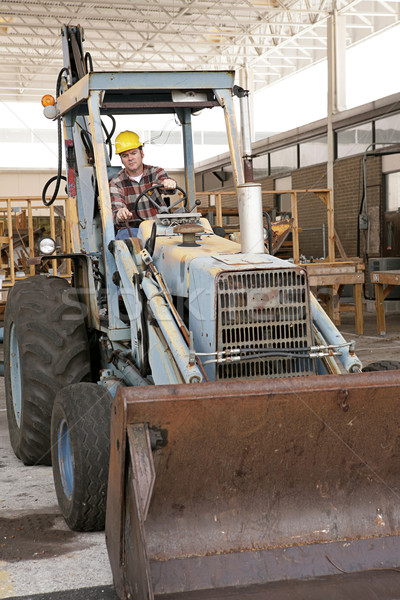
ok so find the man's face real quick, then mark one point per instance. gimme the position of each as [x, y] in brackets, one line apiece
[132, 161]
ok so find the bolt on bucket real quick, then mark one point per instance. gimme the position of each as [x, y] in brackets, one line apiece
[217, 485]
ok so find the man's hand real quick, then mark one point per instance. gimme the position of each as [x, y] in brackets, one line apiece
[169, 184]
[123, 214]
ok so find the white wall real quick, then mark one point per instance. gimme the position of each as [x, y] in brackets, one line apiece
[391, 163]
[24, 183]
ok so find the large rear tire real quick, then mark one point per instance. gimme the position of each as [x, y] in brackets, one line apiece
[45, 349]
[382, 365]
[80, 435]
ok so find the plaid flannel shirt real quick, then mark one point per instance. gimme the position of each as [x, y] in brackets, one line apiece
[124, 192]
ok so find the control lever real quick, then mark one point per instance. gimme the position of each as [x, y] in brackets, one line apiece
[196, 204]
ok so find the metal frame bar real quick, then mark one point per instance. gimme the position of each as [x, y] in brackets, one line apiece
[120, 82]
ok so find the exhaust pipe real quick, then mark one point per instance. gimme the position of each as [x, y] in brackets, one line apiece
[251, 218]
[245, 128]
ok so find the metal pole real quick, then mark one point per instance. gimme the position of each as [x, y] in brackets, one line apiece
[245, 130]
[336, 55]
[185, 117]
[225, 99]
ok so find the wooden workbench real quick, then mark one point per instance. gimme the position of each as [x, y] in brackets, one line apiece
[334, 276]
[384, 282]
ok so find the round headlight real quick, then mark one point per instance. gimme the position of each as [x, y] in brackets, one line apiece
[265, 233]
[47, 245]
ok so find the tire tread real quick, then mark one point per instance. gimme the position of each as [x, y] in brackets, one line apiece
[86, 408]
[54, 352]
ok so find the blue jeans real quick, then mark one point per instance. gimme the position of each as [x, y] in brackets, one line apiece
[123, 234]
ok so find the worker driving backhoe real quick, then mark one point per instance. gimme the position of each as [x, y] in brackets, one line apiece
[135, 178]
[190, 392]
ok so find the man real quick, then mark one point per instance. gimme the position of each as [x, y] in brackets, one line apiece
[132, 180]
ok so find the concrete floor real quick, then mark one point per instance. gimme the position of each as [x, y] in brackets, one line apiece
[41, 559]
[371, 347]
[38, 552]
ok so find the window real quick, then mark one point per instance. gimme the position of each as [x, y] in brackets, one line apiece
[392, 181]
[354, 140]
[284, 200]
[260, 166]
[284, 160]
[387, 130]
[164, 137]
[16, 136]
[314, 152]
[215, 138]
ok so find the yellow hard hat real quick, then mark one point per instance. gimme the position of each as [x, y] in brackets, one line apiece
[126, 140]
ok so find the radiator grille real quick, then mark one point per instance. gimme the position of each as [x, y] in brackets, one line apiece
[263, 309]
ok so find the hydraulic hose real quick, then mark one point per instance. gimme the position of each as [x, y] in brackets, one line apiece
[109, 135]
[88, 63]
[57, 177]
[87, 140]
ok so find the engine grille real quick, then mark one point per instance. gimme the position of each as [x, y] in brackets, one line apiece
[263, 309]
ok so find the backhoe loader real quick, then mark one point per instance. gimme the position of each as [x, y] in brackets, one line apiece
[190, 392]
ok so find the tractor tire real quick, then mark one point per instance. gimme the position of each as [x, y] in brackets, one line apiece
[80, 436]
[45, 348]
[382, 365]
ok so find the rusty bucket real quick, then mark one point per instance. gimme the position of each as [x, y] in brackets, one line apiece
[217, 485]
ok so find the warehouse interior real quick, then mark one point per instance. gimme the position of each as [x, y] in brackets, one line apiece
[312, 129]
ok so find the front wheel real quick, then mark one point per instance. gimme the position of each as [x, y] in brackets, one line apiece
[45, 348]
[80, 440]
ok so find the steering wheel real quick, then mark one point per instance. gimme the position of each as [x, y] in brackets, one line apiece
[160, 209]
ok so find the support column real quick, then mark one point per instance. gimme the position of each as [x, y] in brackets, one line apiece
[336, 39]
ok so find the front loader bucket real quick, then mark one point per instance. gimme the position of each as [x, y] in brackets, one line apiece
[217, 485]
